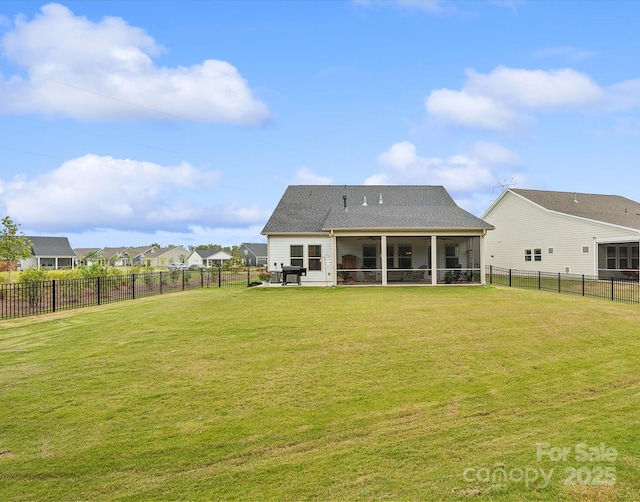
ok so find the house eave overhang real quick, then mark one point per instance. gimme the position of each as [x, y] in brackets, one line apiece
[286, 234]
[408, 230]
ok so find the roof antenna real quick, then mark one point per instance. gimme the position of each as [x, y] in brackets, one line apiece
[380, 201]
[344, 200]
[505, 184]
[365, 201]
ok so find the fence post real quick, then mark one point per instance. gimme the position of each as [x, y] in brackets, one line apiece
[490, 274]
[219, 277]
[539, 280]
[161, 282]
[248, 275]
[509, 277]
[99, 289]
[582, 284]
[133, 286]
[612, 295]
[201, 278]
[182, 279]
[53, 295]
[559, 283]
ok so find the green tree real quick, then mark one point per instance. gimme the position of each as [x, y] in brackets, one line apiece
[14, 245]
[236, 259]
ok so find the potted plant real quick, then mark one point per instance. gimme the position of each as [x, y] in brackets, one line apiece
[265, 277]
[448, 277]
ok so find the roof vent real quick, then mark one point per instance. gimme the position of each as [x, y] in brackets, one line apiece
[380, 201]
[365, 201]
[575, 197]
[344, 200]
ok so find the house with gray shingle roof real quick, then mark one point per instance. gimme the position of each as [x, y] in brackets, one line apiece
[215, 257]
[375, 235]
[565, 232]
[49, 253]
[254, 254]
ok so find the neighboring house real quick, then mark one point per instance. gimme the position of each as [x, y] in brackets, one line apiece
[117, 257]
[254, 254]
[49, 253]
[89, 256]
[162, 257]
[567, 232]
[375, 234]
[208, 257]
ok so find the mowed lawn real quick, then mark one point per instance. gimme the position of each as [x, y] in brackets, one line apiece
[452, 393]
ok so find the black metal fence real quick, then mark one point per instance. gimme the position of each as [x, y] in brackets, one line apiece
[614, 289]
[41, 297]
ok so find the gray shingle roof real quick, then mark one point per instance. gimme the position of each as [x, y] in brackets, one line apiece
[318, 208]
[51, 247]
[258, 249]
[205, 253]
[613, 209]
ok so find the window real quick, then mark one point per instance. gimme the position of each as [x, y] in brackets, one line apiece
[369, 256]
[527, 255]
[390, 255]
[585, 249]
[404, 256]
[537, 254]
[451, 256]
[550, 251]
[315, 257]
[635, 263]
[611, 257]
[297, 255]
[623, 256]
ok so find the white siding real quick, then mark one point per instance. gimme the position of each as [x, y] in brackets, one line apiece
[520, 224]
[278, 249]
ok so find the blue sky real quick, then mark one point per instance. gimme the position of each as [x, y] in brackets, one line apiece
[182, 122]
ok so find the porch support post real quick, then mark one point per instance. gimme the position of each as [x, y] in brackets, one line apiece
[482, 259]
[434, 260]
[334, 259]
[383, 258]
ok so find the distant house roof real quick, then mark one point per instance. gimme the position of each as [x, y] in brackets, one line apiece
[319, 208]
[613, 209]
[51, 247]
[114, 252]
[82, 252]
[257, 249]
[206, 253]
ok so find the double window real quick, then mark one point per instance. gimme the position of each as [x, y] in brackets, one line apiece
[537, 254]
[314, 256]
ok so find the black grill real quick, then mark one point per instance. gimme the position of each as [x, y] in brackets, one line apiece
[291, 274]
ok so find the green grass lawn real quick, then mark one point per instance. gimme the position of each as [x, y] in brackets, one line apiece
[326, 394]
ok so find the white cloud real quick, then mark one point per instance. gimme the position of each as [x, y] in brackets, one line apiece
[104, 71]
[462, 173]
[502, 98]
[623, 95]
[494, 154]
[305, 176]
[567, 51]
[466, 109]
[93, 192]
[433, 6]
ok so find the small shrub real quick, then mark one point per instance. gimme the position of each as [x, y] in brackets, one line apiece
[35, 281]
